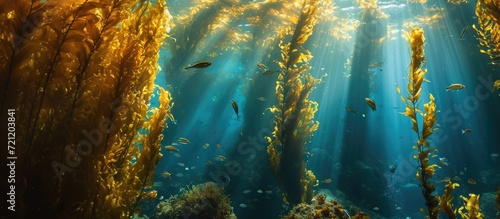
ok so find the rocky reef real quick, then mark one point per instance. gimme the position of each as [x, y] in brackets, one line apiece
[200, 202]
[321, 208]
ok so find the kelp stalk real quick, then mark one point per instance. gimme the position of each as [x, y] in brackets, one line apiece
[424, 151]
[294, 113]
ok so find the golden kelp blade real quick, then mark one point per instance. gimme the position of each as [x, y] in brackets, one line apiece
[471, 204]
[488, 31]
[496, 85]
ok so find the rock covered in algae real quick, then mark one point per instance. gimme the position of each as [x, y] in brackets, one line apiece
[200, 202]
[321, 208]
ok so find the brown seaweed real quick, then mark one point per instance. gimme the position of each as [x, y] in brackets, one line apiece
[424, 152]
[294, 113]
[80, 75]
[488, 29]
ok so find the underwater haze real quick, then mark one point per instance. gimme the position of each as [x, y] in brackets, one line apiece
[255, 108]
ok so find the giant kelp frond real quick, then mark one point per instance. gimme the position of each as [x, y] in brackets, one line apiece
[81, 77]
[294, 113]
[416, 76]
[471, 207]
[19, 21]
[445, 200]
[148, 158]
[488, 19]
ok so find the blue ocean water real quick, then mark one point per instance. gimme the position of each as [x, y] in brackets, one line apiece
[353, 150]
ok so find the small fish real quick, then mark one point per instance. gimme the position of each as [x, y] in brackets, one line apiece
[464, 32]
[181, 164]
[285, 200]
[247, 191]
[327, 181]
[457, 178]
[259, 191]
[494, 155]
[262, 66]
[376, 208]
[166, 174]
[375, 64]
[398, 208]
[171, 148]
[219, 146]
[174, 143]
[220, 158]
[183, 140]
[363, 115]
[351, 110]
[177, 155]
[205, 146]
[392, 168]
[371, 103]
[263, 99]
[208, 163]
[466, 131]
[235, 107]
[243, 205]
[453, 87]
[443, 160]
[200, 64]
[193, 167]
[269, 72]
[471, 181]
[446, 179]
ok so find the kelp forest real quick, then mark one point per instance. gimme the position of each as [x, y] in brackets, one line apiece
[250, 109]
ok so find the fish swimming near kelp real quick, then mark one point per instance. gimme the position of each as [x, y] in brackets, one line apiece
[171, 148]
[443, 161]
[235, 107]
[375, 64]
[464, 32]
[466, 131]
[371, 103]
[200, 64]
[392, 168]
[351, 110]
[453, 87]
[183, 140]
[269, 72]
[262, 66]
